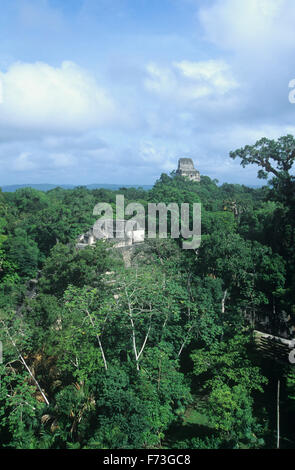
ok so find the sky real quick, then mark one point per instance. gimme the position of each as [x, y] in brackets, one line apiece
[115, 91]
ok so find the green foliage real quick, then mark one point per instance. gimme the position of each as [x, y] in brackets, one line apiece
[229, 382]
[20, 412]
[66, 266]
[22, 252]
[276, 157]
[97, 355]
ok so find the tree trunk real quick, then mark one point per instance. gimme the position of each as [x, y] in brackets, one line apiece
[99, 342]
[223, 301]
[184, 341]
[130, 314]
[26, 365]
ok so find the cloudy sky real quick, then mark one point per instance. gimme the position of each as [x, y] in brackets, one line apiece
[115, 91]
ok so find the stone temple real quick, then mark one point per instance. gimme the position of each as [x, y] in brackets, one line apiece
[186, 168]
[116, 230]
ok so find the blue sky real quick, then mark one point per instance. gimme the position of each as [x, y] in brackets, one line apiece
[115, 91]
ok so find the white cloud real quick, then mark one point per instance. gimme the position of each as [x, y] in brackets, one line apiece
[257, 38]
[23, 162]
[40, 97]
[214, 74]
[157, 154]
[250, 24]
[187, 81]
[201, 99]
[62, 160]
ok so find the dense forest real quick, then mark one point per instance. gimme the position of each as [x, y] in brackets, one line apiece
[97, 355]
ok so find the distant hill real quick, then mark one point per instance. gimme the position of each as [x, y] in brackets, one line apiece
[48, 187]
